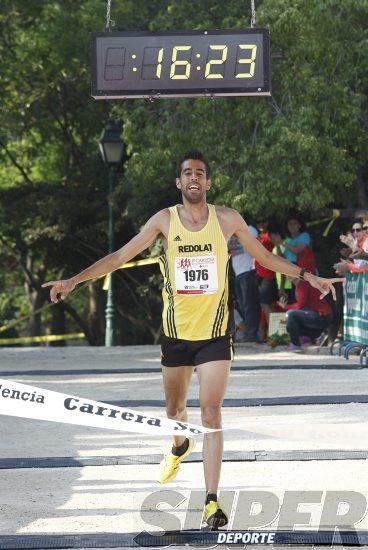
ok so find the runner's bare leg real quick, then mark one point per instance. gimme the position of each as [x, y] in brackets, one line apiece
[213, 378]
[176, 384]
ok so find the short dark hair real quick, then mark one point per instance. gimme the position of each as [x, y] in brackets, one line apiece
[295, 215]
[274, 227]
[357, 220]
[193, 155]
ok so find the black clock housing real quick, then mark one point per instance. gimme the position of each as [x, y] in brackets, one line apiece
[180, 64]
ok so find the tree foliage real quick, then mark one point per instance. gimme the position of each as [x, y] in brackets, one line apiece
[304, 147]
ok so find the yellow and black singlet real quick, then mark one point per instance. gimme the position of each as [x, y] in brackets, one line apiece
[195, 268]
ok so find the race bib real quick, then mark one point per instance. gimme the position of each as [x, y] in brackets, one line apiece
[196, 275]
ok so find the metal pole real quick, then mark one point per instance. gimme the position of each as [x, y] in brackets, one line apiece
[110, 308]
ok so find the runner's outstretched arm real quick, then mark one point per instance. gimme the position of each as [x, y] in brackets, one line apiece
[145, 238]
[277, 263]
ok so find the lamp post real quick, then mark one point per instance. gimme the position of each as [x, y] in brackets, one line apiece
[111, 148]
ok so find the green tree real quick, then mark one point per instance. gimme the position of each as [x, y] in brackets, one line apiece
[52, 181]
[304, 146]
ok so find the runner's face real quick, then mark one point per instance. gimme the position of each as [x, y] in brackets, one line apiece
[193, 182]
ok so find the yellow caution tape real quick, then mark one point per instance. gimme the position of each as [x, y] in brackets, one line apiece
[24, 318]
[135, 263]
[106, 284]
[48, 338]
[335, 215]
[317, 222]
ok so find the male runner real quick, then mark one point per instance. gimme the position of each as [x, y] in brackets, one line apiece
[196, 327]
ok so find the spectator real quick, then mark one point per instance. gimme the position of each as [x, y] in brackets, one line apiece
[308, 317]
[239, 325]
[344, 266]
[297, 246]
[297, 240]
[267, 284]
[246, 287]
[355, 255]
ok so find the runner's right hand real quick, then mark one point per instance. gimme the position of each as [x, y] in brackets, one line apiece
[60, 289]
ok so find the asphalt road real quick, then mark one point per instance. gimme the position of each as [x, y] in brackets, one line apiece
[295, 426]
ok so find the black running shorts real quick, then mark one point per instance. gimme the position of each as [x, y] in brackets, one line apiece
[181, 353]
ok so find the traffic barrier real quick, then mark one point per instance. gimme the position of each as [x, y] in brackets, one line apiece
[356, 308]
[355, 317]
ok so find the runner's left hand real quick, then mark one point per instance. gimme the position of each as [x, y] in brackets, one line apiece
[325, 286]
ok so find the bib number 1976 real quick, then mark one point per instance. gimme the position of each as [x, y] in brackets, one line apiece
[196, 275]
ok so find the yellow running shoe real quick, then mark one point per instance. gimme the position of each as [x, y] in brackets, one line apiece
[169, 466]
[214, 516]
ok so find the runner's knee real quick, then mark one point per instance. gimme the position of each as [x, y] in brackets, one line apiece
[211, 416]
[175, 411]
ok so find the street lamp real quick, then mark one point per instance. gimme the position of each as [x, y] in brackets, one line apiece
[112, 149]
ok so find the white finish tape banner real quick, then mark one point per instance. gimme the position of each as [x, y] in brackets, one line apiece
[31, 402]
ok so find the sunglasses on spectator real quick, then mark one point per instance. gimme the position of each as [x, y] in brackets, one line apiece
[365, 227]
[357, 229]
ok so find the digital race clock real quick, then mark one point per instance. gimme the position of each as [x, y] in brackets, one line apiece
[180, 64]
